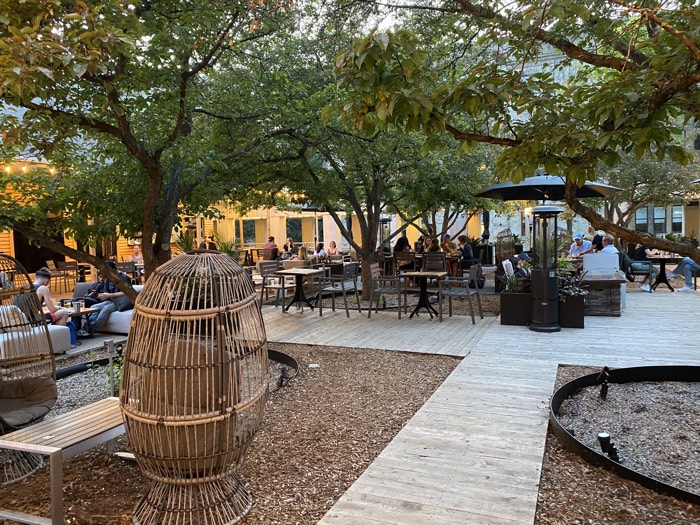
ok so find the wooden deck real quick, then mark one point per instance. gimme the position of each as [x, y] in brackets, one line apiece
[455, 336]
[473, 453]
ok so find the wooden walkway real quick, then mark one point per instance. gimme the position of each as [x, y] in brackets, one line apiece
[455, 336]
[473, 453]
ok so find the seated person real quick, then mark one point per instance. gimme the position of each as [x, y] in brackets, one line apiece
[642, 254]
[419, 245]
[91, 297]
[289, 249]
[447, 245]
[55, 315]
[686, 267]
[106, 306]
[332, 249]
[434, 246]
[270, 243]
[402, 246]
[137, 256]
[580, 246]
[596, 239]
[319, 252]
[608, 244]
[465, 249]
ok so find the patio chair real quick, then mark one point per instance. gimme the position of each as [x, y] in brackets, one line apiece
[404, 262]
[69, 273]
[695, 274]
[129, 268]
[57, 276]
[270, 254]
[639, 268]
[335, 258]
[462, 287]
[339, 282]
[434, 262]
[273, 282]
[27, 368]
[388, 285]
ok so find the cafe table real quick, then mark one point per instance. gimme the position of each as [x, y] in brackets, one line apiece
[662, 260]
[423, 301]
[299, 274]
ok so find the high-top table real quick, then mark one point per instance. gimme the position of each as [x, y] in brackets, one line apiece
[299, 274]
[662, 260]
[423, 301]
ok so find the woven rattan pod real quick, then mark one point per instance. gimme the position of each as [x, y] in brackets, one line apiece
[194, 387]
[27, 368]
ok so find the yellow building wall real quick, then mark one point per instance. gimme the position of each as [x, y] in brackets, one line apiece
[7, 243]
[692, 221]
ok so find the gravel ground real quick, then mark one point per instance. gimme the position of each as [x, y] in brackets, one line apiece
[319, 434]
[573, 492]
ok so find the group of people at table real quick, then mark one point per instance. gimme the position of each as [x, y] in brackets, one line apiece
[99, 299]
[291, 251]
[605, 243]
[462, 251]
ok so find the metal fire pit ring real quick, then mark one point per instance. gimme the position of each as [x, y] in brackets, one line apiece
[284, 359]
[621, 375]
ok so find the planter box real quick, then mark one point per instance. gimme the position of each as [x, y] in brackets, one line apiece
[571, 311]
[516, 308]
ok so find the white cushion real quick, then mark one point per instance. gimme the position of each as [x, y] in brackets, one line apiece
[17, 344]
[12, 319]
[118, 322]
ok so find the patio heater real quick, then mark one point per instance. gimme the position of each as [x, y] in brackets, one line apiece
[384, 232]
[545, 284]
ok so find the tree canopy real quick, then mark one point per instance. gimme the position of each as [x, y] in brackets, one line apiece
[111, 94]
[560, 85]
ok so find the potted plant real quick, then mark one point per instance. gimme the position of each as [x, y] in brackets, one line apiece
[572, 298]
[516, 301]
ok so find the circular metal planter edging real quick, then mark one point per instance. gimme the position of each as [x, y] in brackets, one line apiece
[595, 458]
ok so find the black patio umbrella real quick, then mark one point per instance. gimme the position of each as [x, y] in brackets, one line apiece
[543, 187]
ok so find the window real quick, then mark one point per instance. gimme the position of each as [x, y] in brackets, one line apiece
[677, 219]
[294, 230]
[659, 219]
[320, 230]
[641, 220]
[249, 232]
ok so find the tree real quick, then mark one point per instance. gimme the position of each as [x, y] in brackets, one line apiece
[109, 94]
[644, 182]
[561, 85]
[341, 171]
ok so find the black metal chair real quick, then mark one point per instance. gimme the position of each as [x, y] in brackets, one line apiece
[386, 285]
[339, 282]
[461, 287]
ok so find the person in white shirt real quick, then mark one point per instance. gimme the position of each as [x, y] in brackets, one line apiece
[580, 246]
[608, 244]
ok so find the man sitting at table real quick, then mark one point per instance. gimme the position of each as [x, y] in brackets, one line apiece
[107, 306]
[608, 244]
[642, 254]
[580, 246]
[687, 266]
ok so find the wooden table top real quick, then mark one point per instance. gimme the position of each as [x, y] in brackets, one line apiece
[300, 271]
[424, 274]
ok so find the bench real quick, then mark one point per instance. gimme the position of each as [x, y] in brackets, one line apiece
[62, 438]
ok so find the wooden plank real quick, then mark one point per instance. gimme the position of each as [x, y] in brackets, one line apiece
[473, 452]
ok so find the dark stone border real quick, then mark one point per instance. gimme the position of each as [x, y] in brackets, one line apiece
[621, 375]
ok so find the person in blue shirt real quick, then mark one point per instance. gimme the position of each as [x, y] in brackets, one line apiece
[465, 249]
[580, 246]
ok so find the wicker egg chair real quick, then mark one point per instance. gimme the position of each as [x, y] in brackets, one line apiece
[27, 368]
[194, 388]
